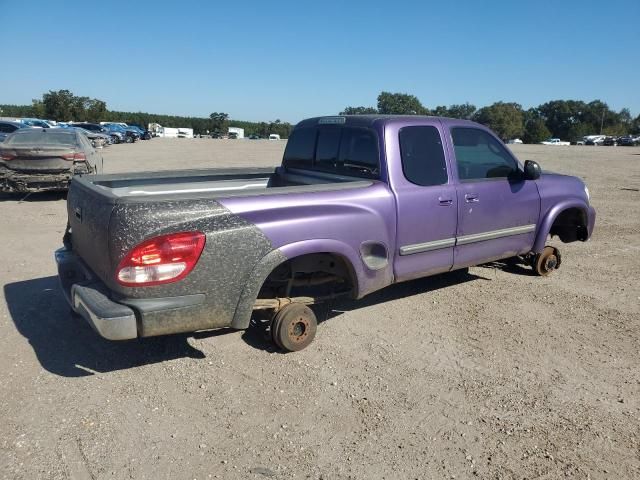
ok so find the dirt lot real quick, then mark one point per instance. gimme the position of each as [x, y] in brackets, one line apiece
[490, 374]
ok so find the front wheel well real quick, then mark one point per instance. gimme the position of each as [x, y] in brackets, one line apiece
[311, 275]
[570, 225]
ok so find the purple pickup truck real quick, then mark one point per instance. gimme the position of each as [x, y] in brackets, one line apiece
[359, 203]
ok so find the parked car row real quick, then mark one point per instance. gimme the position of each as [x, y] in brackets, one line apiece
[611, 141]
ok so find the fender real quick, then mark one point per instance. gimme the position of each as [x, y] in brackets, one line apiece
[552, 214]
[365, 280]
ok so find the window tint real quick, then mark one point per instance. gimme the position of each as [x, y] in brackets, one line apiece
[480, 156]
[359, 148]
[300, 148]
[422, 155]
[328, 146]
[342, 150]
[48, 137]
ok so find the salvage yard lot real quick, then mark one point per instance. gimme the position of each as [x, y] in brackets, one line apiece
[492, 373]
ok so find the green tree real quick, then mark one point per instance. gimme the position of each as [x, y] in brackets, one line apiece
[559, 116]
[219, 122]
[400, 104]
[358, 111]
[535, 131]
[95, 110]
[58, 105]
[635, 126]
[506, 119]
[464, 111]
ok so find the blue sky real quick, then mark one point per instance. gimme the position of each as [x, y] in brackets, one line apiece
[295, 59]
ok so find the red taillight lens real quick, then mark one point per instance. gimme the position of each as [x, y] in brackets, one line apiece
[75, 156]
[7, 156]
[163, 259]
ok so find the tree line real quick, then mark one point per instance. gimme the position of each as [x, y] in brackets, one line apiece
[64, 106]
[566, 119]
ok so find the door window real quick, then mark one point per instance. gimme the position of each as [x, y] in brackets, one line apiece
[480, 156]
[422, 156]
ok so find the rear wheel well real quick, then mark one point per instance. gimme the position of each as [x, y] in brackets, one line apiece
[312, 275]
[570, 225]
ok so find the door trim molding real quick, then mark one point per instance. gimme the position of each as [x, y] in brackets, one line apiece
[427, 246]
[465, 239]
[494, 234]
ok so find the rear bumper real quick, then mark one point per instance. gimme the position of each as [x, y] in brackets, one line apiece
[124, 318]
[33, 182]
[88, 298]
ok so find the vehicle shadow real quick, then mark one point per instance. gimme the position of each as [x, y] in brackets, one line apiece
[33, 197]
[257, 335]
[513, 265]
[67, 346]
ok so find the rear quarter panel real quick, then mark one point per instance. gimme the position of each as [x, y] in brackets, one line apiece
[333, 222]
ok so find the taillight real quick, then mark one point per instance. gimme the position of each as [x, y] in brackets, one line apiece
[7, 156]
[75, 156]
[163, 259]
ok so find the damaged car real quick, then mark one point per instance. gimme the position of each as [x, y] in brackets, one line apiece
[44, 159]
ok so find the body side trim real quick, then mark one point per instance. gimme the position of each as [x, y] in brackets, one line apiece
[493, 234]
[427, 246]
[465, 239]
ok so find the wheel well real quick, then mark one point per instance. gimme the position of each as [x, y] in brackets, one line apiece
[313, 275]
[570, 225]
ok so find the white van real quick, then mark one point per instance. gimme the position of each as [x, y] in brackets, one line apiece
[274, 136]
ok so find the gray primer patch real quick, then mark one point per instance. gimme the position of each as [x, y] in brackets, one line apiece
[233, 249]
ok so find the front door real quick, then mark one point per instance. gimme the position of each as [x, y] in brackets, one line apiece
[497, 210]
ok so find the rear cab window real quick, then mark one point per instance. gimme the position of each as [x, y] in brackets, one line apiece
[343, 150]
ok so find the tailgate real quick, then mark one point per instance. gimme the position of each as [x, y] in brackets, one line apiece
[89, 212]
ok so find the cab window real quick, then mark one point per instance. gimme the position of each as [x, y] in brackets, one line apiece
[480, 156]
[422, 156]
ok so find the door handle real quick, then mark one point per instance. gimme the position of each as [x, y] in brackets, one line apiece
[471, 198]
[445, 202]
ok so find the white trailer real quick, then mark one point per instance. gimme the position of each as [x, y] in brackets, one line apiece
[236, 132]
[158, 130]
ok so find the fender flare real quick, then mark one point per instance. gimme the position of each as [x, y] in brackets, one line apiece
[550, 217]
[270, 261]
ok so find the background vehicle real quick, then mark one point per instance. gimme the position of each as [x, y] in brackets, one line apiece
[97, 139]
[35, 122]
[144, 133]
[359, 202]
[627, 141]
[117, 133]
[274, 136]
[610, 142]
[127, 135]
[555, 141]
[38, 159]
[514, 141]
[9, 127]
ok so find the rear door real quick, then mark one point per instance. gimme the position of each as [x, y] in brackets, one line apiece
[497, 210]
[425, 197]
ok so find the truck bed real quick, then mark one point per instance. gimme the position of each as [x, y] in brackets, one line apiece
[213, 183]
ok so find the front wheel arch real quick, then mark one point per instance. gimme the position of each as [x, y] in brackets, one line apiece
[568, 221]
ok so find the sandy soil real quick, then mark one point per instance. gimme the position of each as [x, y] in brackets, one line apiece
[490, 374]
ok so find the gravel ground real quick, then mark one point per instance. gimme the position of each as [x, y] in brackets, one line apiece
[492, 373]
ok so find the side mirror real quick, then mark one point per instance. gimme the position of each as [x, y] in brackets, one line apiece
[532, 170]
